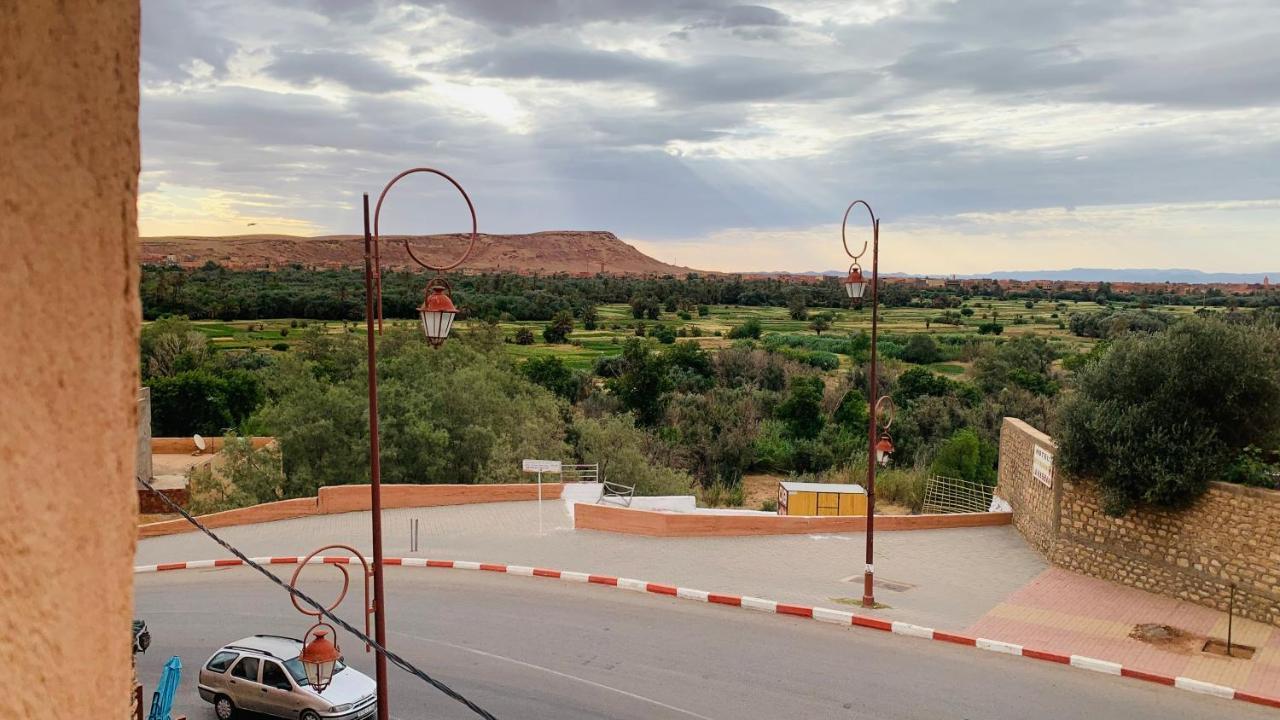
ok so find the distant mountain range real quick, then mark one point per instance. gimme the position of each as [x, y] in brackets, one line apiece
[1131, 275]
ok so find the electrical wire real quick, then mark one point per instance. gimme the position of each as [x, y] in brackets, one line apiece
[394, 658]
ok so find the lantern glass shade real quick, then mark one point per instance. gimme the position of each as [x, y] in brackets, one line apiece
[318, 659]
[884, 449]
[855, 284]
[437, 314]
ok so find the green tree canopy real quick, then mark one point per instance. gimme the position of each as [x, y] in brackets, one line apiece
[1160, 415]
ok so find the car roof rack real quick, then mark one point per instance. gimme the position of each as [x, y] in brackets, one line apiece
[242, 648]
[281, 637]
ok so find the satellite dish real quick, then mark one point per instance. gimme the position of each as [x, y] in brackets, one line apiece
[200, 443]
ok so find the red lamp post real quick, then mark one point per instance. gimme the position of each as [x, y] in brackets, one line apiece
[878, 447]
[437, 313]
[319, 653]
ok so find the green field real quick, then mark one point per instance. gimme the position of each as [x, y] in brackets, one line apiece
[615, 325]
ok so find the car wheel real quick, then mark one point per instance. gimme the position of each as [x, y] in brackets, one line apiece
[223, 707]
[309, 715]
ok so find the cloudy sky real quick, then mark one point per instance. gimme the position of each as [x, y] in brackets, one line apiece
[988, 134]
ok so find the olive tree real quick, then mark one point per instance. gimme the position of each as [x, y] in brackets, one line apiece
[1157, 416]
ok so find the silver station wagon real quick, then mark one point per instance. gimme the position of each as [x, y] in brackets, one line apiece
[263, 674]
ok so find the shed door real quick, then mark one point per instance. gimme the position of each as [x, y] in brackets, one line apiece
[828, 503]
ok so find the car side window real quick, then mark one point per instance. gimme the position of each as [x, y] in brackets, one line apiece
[247, 668]
[221, 661]
[273, 676]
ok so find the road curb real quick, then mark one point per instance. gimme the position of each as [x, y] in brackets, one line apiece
[827, 615]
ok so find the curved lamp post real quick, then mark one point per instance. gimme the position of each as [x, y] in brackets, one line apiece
[436, 313]
[319, 653]
[878, 447]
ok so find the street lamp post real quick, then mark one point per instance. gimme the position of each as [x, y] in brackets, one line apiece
[878, 448]
[436, 313]
[319, 653]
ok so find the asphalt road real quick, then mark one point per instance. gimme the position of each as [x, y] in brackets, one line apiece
[540, 649]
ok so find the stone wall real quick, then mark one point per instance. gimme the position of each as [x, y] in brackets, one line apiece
[1228, 535]
[1035, 508]
[69, 355]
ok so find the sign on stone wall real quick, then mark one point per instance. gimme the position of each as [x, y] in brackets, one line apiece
[1042, 466]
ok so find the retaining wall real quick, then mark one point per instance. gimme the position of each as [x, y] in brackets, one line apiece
[667, 524]
[354, 498]
[1228, 535]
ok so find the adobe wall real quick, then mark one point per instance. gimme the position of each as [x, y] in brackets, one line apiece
[142, 453]
[69, 355]
[654, 523]
[354, 498]
[1228, 535]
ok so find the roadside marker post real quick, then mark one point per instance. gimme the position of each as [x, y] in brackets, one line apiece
[539, 467]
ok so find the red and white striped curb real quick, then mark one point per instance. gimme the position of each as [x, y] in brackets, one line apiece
[837, 617]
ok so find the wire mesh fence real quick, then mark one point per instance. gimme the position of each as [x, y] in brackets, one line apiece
[944, 496]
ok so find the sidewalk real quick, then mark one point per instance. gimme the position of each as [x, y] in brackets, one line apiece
[1066, 612]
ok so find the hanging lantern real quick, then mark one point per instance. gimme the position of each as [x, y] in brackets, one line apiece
[884, 448]
[855, 284]
[319, 657]
[437, 312]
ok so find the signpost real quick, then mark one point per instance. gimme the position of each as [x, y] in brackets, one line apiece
[540, 466]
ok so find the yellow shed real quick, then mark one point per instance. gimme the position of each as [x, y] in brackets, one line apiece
[801, 498]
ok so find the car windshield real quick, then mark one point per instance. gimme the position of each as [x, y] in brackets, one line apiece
[294, 667]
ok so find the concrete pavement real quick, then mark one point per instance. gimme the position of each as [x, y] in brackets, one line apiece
[526, 648]
[937, 578]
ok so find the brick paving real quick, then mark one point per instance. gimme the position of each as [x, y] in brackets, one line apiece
[1066, 612]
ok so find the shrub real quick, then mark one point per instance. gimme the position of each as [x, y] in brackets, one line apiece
[966, 457]
[821, 323]
[990, 328]
[770, 505]
[280, 347]
[749, 329]
[919, 382]
[811, 456]
[551, 373]
[901, 486]
[1159, 415]
[802, 410]
[773, 449]
[797, 308]
[524, 336]
[921, 349]
[559, 329]
[703, 311]
[721, 495]
[625, 455]
[664, 334]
